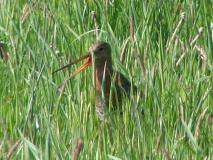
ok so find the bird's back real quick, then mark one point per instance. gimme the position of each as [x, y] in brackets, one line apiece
[121, 88]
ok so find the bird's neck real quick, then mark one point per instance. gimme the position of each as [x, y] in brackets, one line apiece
[103, 75]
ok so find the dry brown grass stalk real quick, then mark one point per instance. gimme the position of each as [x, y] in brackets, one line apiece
[77, 149]
[27, 10]
[94, 17]
[198, 126]
[203, 56]
[175, 32]
[13, 149]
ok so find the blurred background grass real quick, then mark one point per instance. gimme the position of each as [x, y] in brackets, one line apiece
[169, 58]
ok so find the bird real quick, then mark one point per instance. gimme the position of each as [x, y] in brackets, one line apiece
[110, 85]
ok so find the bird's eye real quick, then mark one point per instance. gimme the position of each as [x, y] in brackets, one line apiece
[101, 49]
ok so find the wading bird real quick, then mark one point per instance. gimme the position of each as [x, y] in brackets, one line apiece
[110, 85]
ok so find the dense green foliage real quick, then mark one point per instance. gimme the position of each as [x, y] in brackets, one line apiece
[165, 60]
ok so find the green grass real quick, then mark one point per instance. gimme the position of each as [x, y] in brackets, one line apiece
[178, 98]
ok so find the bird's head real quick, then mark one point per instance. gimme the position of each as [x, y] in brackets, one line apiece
[99, 53]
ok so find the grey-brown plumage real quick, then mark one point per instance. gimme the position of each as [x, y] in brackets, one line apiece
[110, 85]
[105, 76]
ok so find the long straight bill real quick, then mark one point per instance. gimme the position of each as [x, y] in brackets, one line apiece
[87, 57]
[84, 66]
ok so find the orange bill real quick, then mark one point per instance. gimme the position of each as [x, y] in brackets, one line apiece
[86, 64]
